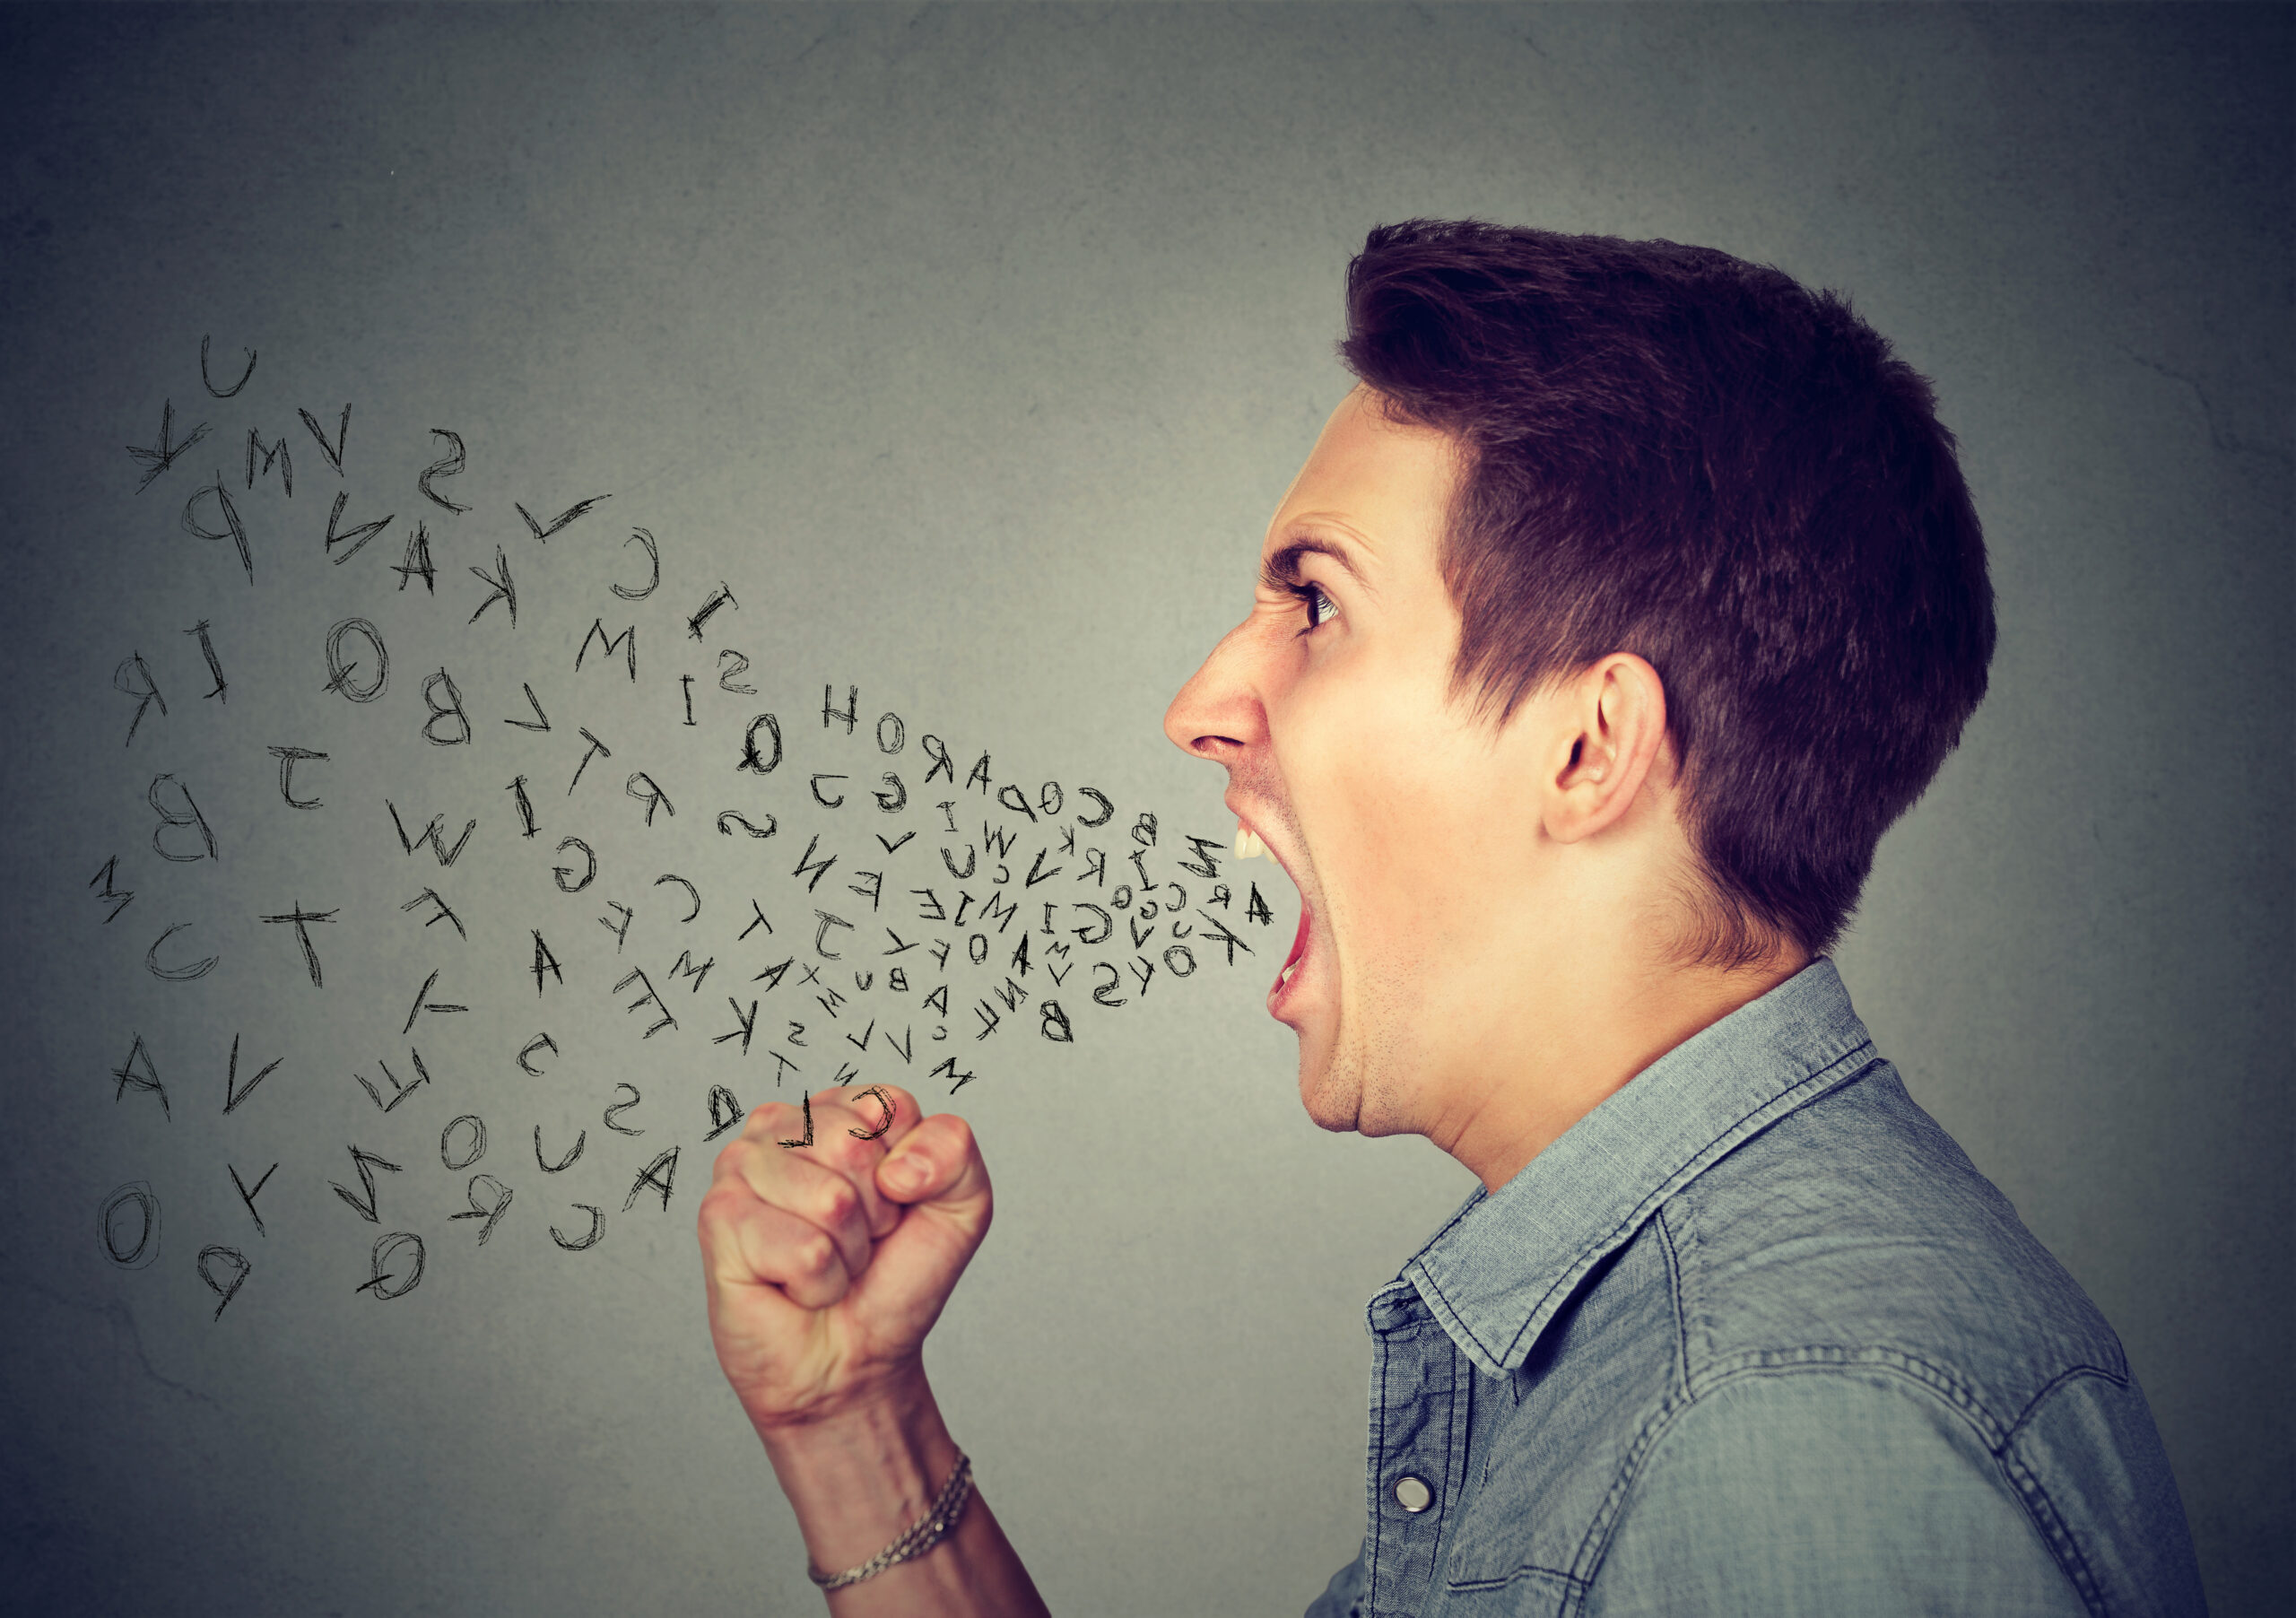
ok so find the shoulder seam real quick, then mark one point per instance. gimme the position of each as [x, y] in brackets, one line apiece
[2071, 1373]
[1827, 1356]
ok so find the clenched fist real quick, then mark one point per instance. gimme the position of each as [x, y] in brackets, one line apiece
[827, 1263]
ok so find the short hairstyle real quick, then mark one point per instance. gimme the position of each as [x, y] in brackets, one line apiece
[1672, 452]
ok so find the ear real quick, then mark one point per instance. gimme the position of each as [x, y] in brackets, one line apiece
[1610, 730]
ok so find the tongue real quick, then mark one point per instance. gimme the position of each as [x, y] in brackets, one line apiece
[1300, 942]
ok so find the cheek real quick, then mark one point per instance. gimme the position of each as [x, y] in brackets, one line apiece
[1380, 802]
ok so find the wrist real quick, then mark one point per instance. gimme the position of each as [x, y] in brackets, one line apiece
[859, 1477]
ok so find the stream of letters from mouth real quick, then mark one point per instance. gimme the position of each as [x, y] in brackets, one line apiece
[735, 883]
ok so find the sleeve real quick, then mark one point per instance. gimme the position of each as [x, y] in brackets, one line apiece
[1343, 1597]
[2090, 1457]
[1825, 1493]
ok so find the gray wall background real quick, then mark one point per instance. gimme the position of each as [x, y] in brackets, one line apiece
[971, 347]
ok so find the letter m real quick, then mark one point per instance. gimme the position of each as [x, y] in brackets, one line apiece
[1002, 912]
[276, 452]
[626, 643]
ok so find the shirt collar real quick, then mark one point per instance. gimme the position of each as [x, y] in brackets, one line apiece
[1505, 1264]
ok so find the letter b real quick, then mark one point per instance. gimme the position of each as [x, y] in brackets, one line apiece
[449, 712]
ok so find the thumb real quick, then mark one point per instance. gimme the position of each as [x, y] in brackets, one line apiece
[937, 1172]
[938, 1163]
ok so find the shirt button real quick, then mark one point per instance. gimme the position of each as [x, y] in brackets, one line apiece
[1413, 1495]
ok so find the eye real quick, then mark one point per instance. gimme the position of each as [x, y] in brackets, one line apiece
[1321, 608]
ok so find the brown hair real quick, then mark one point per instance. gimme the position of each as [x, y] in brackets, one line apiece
[1677, 454]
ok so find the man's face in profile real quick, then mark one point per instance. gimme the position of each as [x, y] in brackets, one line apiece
[1384, 799]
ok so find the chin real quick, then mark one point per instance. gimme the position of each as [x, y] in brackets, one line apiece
[1330, 1087]
[1356, 1086]
[1327, 1110]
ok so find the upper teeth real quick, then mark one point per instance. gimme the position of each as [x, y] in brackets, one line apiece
[1248, 843]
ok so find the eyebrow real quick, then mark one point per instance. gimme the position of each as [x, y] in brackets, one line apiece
[1282, 570]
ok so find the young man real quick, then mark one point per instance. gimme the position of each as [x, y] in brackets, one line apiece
[1615, 616]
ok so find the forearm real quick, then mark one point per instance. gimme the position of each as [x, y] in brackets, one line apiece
[860, 1479]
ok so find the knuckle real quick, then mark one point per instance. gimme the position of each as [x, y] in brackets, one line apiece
[763, 1118]
[839, 1202]
[814, 1255]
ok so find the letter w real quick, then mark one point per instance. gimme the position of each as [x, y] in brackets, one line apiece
[433, 834]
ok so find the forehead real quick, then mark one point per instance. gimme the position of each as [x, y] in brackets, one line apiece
[1384, 485]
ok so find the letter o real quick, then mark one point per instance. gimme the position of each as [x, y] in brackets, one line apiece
[900, 734]
[477, 1142]
[749, 760]
[386, 1248]
[147, 1229]
[339, 672]
[1172, 967]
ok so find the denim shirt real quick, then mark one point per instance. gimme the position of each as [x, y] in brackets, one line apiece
[1754, 1336]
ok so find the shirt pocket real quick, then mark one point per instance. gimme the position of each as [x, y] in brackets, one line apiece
[1522, 1524]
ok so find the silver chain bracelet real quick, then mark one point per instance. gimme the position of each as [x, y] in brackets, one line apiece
[921, 1537]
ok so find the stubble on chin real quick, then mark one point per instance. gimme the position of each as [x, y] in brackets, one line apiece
[1331, 1102]
[1328, 1106]
[1350, 1090]
[1360, 1083]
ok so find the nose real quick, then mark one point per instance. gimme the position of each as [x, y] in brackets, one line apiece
[1218, 714]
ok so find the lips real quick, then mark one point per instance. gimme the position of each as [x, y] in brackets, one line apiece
[1299, 949]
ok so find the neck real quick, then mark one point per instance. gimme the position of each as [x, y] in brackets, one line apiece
[1572, 1034]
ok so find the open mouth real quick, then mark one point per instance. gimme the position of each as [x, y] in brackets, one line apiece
[1249, 844]
[1283, 984]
